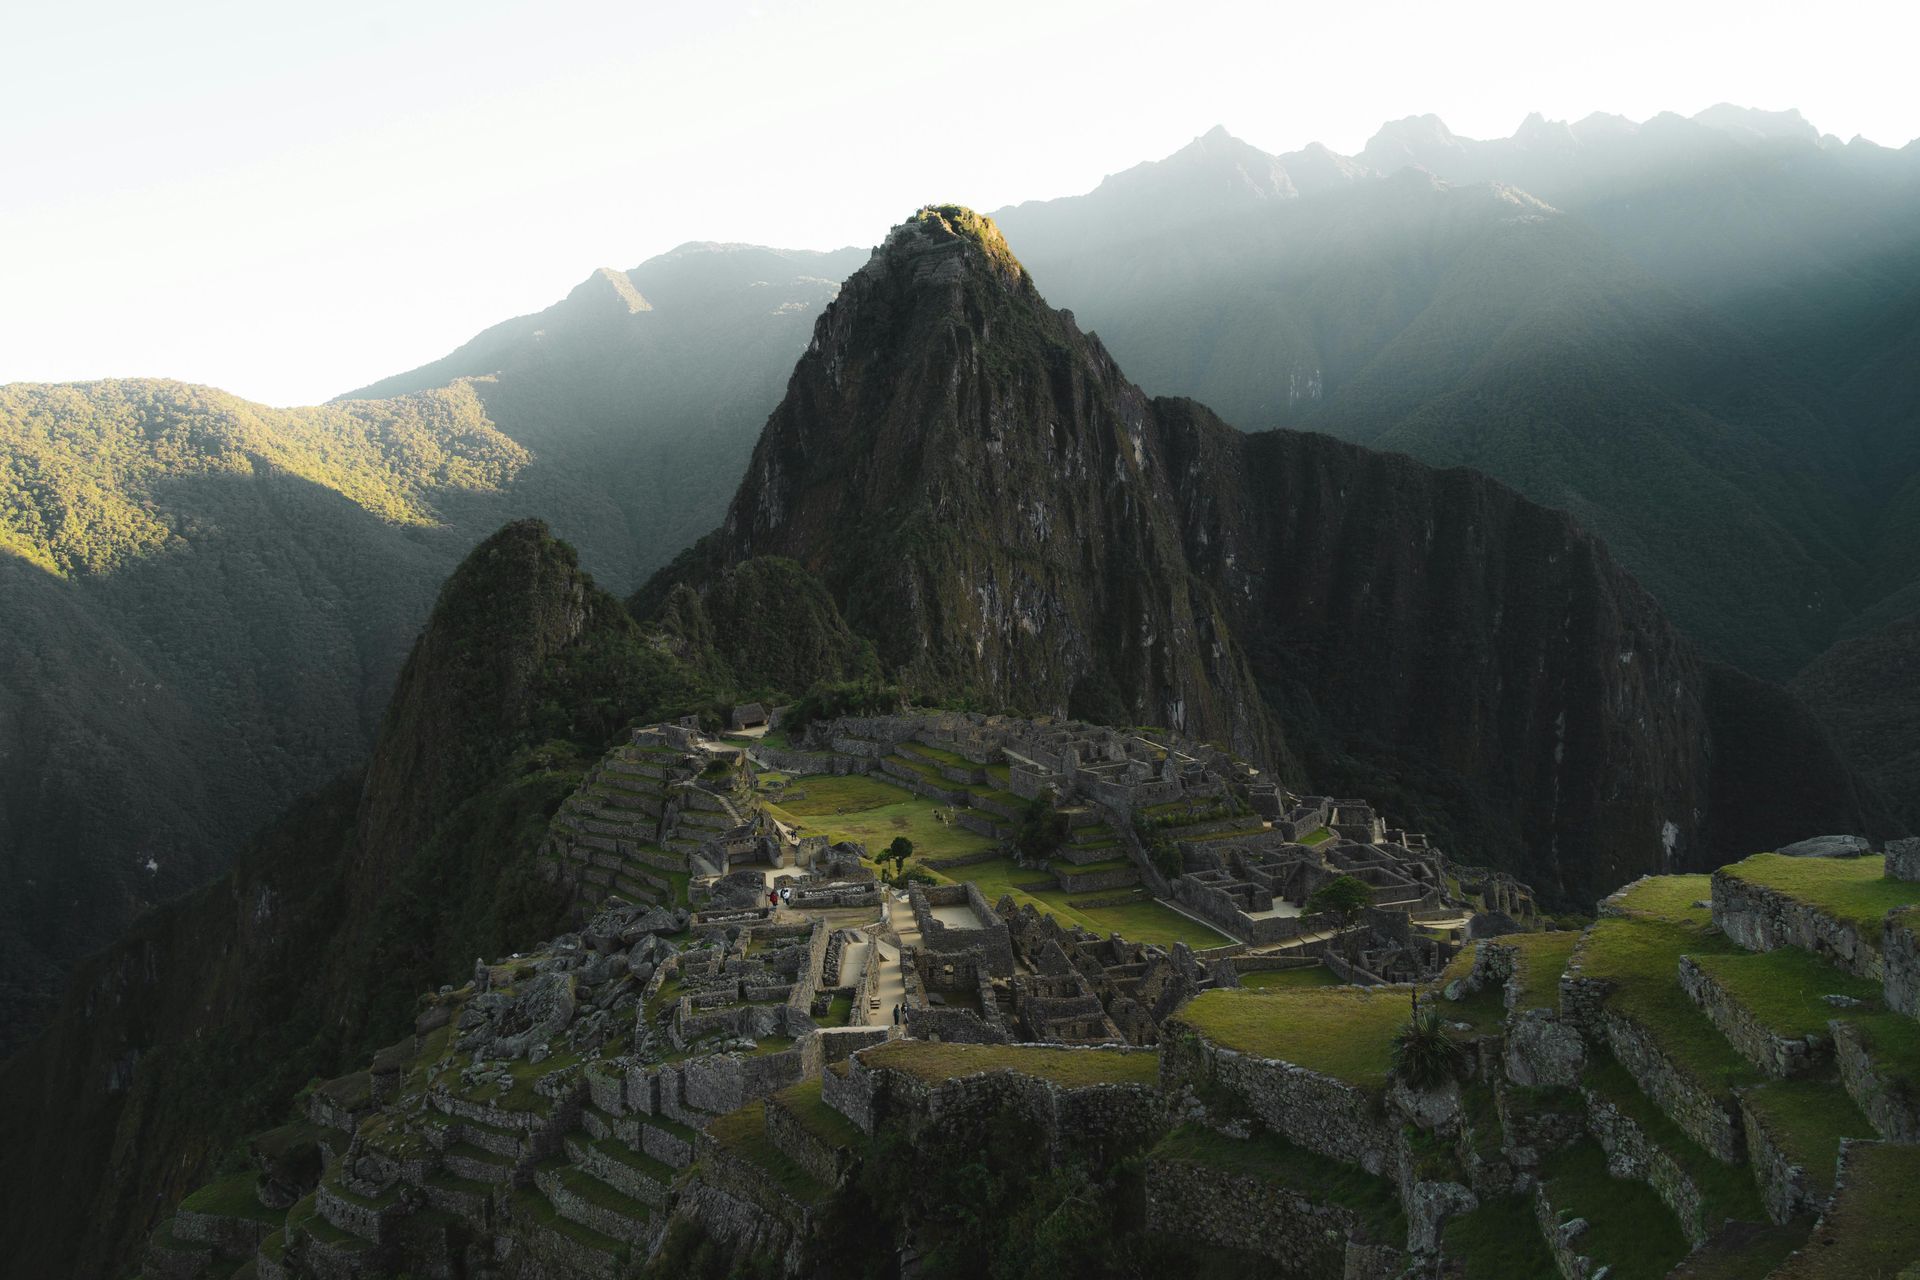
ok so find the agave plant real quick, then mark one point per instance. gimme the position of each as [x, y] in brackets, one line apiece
[1424, 1055]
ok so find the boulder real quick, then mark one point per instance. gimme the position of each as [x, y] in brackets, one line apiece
[1827, 847]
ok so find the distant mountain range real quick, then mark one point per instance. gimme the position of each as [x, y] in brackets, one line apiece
[1698, 337]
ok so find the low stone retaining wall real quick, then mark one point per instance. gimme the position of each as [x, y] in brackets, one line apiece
[724, 1204]
[1891, 1109]
[1094, 881]
[1779, 1056]
[1240, 1211]
[1710, 1119]
[822, 1161]
[1632, 1154]
[1782, 1183]
[1324, 1115]
[1088, 1120]
[1563, 1238]
[1761, 919]
[1900, 958]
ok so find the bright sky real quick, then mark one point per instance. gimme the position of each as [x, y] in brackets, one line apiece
[289, 201]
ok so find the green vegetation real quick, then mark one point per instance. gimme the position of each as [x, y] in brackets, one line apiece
[1871, 1230]
[1855, 890]
[1343, 1032]
[1669, 898]
[1143, 919]
[1423, 1055]
[829, 699]
[873, 813]
[743, 1134]
[1641, 954]
[231, 1197]
[1499, 1241]
[1781, 989]
[1807, 1118]
[1315, 975]
[1343, 897]
[1543, 957]
[1043, 828]
[1271, 1158]
[1629, 1229]
[1726, 1191]
[933, 1062]
[804, 1101]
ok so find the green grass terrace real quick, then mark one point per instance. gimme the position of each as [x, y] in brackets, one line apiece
[1343, 1032]
[873, 812]
[1855, 890]
[934, 1062]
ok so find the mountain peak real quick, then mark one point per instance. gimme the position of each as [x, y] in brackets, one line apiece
[940, 241]
[608, 286]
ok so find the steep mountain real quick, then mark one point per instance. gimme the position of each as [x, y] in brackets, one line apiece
[1473, 323]
[307, 955]
[1867, 691]
[1006, 515]
[1696, 336]
[205, 601]
[209, 600]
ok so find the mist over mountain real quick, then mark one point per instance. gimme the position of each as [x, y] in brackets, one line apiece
[1697, 336]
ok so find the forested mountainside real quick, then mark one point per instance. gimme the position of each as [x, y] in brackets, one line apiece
[203, 1021]
[1008, 518]
[208, 600]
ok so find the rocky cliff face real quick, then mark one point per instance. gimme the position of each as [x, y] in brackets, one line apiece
[987, 496]
[978, 485]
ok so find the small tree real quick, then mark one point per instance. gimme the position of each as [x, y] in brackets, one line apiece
[1043, 829]
[1344, 898]
[897, 853]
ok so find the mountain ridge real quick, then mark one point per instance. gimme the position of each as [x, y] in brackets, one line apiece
[924, 390]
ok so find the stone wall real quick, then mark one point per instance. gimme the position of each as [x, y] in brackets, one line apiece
[1761, 919]
[1779, 1056]
[1903, 858]
[1074, 881]
[1309, 1110]
[1782, 1183]
[1900, 957]
[990, 939]
[1708, 1118]
[822, 1161]
[724, 1203]
[1632, 1154]
[1089, 1121]
[1891, 1108]
[1306, 1237]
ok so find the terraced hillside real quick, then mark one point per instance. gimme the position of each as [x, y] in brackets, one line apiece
[1717, 1078]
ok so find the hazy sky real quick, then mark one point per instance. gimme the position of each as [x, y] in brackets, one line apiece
[290, 201]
